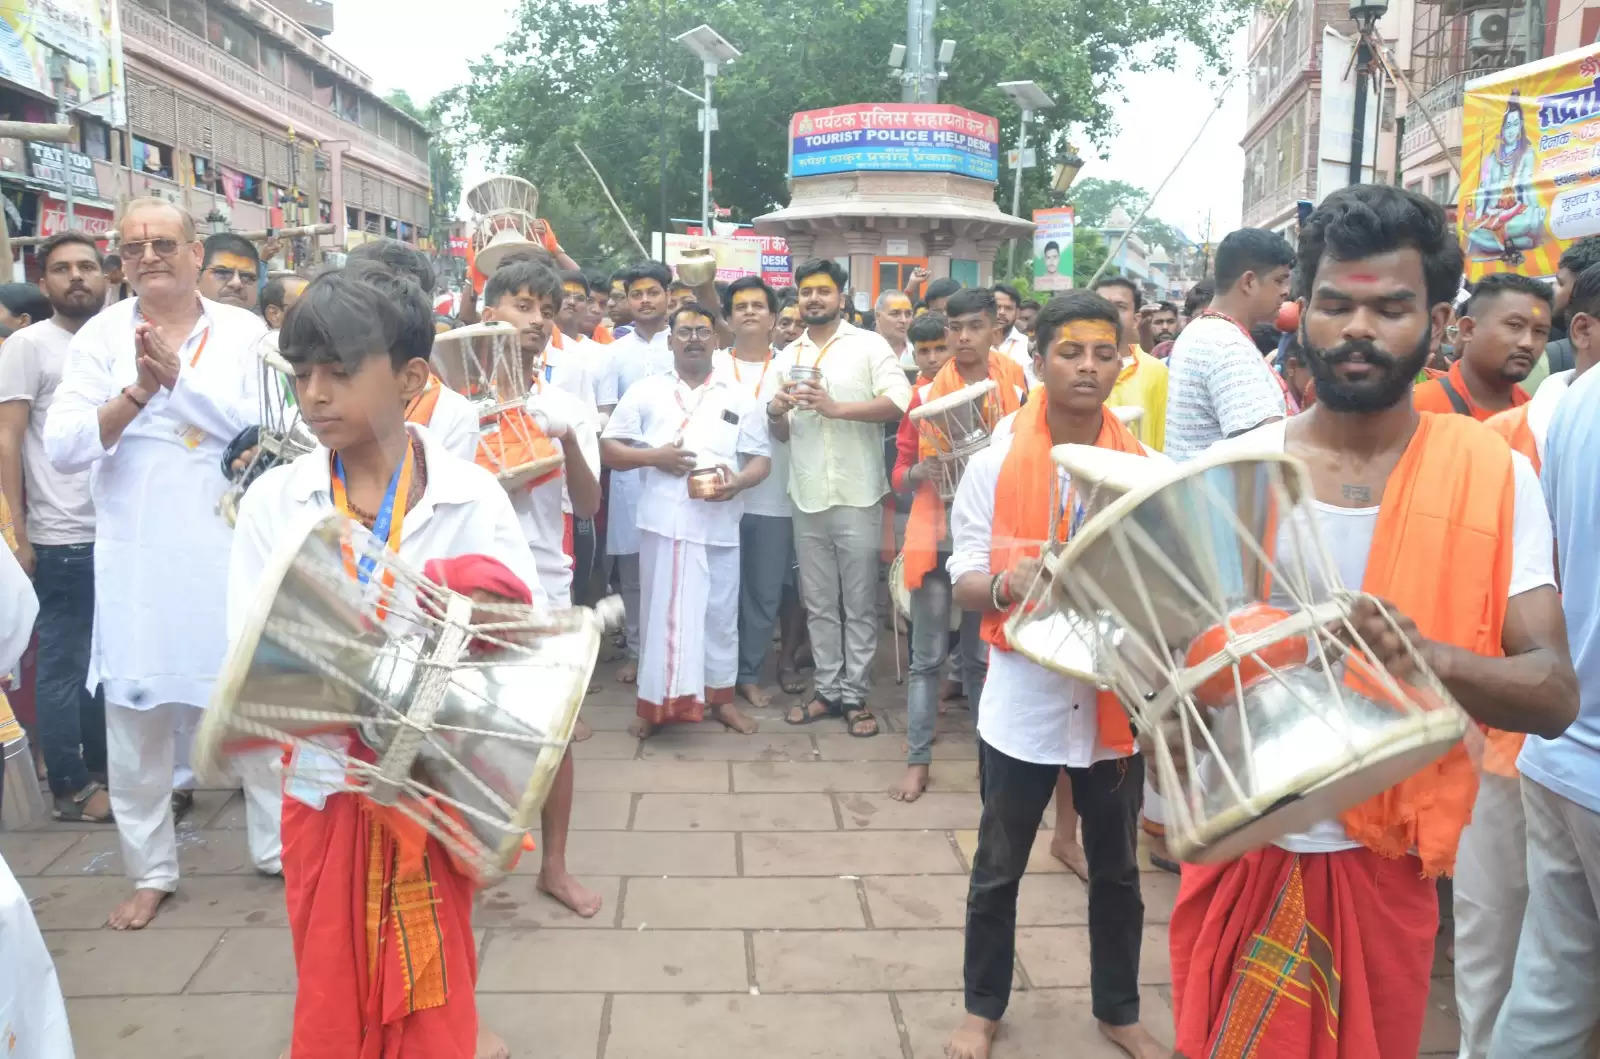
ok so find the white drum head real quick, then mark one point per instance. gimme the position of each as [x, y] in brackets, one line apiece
[956, 399]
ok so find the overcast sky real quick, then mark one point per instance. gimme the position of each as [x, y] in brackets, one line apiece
[1160, 118]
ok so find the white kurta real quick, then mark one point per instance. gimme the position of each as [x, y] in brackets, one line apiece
[632, 359]
[161, 549]
[33, 1017]
[542, 509]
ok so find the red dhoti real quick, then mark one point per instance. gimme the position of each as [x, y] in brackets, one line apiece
[1303, 956]
[382, 934]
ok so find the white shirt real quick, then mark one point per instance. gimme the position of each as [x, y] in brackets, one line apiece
[161, 549]
[575, 365]
[541, 508]
[1027, 712]
[59, 508]
[1347, 533]
[717, 423]
[1541, 409]
[632, 358]
[771, 497]
[1015, 346]
[454, 424]
[1218, 385]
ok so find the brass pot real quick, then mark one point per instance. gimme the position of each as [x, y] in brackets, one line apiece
[704, 483]
[697, 266]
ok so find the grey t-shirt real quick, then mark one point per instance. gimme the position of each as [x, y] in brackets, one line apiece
[59, 508]
[1217, 386]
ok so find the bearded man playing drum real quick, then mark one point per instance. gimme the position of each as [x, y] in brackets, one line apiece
[1321, 944]
[1036, 725]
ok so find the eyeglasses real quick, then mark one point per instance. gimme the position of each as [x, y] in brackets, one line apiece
[684, 334]
[134, 250]
[226, 275]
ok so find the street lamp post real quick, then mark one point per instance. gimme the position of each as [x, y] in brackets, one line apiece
[712, 50]
[1031, 98]
[1365, 13]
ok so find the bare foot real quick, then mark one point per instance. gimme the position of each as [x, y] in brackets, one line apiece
[731, 717]
[581, 730]
[570, 892]
[137, 911]
[1071, 854]
[753, 694]
[1135, 1040]
[490, 1046]
[911, 785]
[971, 1039]
[640, 728]
[629, 673]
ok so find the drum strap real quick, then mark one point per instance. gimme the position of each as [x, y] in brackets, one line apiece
[1457, 402]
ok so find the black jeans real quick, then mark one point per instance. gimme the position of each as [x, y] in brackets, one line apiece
[72, 722]
[586, 556]
[1015, 794]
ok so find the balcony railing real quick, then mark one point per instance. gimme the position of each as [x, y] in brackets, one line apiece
[1443, 102]
[1271, 201]
[188, 50]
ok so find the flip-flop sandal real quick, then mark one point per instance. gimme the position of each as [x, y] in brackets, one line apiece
[806, 716]
[855, 717]
[71, 810]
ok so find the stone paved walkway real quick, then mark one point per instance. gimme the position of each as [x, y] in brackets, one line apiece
[763, 897]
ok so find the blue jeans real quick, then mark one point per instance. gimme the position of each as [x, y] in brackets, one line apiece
[930, 645]
[72, 722]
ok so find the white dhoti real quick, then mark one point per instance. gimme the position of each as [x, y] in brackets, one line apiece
[33, 1017]
[141, 752]
[1491, 895]
[689, 632]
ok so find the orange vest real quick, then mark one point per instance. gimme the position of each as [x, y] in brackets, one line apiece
[1022, 517]
[1432, 396]
[928, 524]
[1448, 507]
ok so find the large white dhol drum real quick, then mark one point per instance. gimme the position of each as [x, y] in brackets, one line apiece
[900, 595]
[506, 219]
[467, 708]
[957, 427]
[1206, 591]
[282, 437]
[484, 364]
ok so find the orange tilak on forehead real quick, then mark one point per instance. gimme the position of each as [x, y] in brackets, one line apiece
[1087, 332]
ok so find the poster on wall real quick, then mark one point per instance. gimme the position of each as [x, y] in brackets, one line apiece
[903, 137]
[87, 32]
[1530, 164]
[1052, 249]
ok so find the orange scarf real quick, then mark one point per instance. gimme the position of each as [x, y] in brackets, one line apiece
[1448, 507]
[928, 523]
[420, 410]
[1022, 523]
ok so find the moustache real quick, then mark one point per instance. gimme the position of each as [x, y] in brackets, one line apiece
[1366, 350]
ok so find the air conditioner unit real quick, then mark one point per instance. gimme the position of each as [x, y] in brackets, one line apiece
[1496, 39]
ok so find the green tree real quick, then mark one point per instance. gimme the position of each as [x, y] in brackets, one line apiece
[601, 76]
[1093, 201]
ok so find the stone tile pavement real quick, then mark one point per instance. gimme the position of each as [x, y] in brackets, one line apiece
[763, 896]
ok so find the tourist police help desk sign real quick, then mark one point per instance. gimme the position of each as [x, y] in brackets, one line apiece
[904, 137]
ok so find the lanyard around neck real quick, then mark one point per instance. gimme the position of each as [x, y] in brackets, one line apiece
[386, 526]
[765, 364]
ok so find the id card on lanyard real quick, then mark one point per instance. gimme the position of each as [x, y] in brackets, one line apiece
[386, 526]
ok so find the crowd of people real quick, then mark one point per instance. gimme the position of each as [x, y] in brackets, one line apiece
[731, 449]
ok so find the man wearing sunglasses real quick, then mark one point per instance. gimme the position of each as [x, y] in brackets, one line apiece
[230, 272]
[154, 388]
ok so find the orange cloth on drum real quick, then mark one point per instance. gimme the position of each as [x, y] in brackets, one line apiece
[1022, 517]
[511, 438]
[928, 523]
[1431, 396]
[1448, 506]
[1280, 955]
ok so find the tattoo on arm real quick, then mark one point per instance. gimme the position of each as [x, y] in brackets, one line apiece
[1360, 494]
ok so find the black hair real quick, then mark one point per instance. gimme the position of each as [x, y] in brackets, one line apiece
[970, 300]
[1199, 297]
[1029, 303]
[72, 237]
[787, 296]
[1121, 281]
[348, 315]
[1580, 255]
[1065, 308]
[599, 282]
[1586, 293]
[519, 276]
[619, 276]
[647, 270]
[929, 327]
[25, 299]
[1492, 286]
[942, 287]
[1366, 220]
[1010, 292]
[274, 292]
[1167, 307]
[572, 275]
[538, 255]
[111, 261]
[744, 283]
[229, 243]
[1051, 245]
[822, 266]
[397, 257]
[691, 309]
[1266, 337]
[1254, 250]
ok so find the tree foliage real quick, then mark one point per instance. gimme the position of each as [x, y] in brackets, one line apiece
[601, 76]
[1094, 200]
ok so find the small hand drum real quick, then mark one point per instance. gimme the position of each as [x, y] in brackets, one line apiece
[1220, 625]
[282, 436]
[957, 426]
[900, 595]
[466, 708]
[484, 363]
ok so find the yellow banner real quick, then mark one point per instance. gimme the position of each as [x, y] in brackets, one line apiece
[1530, 164]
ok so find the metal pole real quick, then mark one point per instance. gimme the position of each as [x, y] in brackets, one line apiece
[661, 123]
[911, 76]
[620, 215]
[705, 152]
[1358, 130]
[1016, 190]
[929, 48]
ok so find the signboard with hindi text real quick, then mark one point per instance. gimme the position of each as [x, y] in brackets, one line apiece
[1052, 249]
[1530, 164]
[79, 40]
[903, 137]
